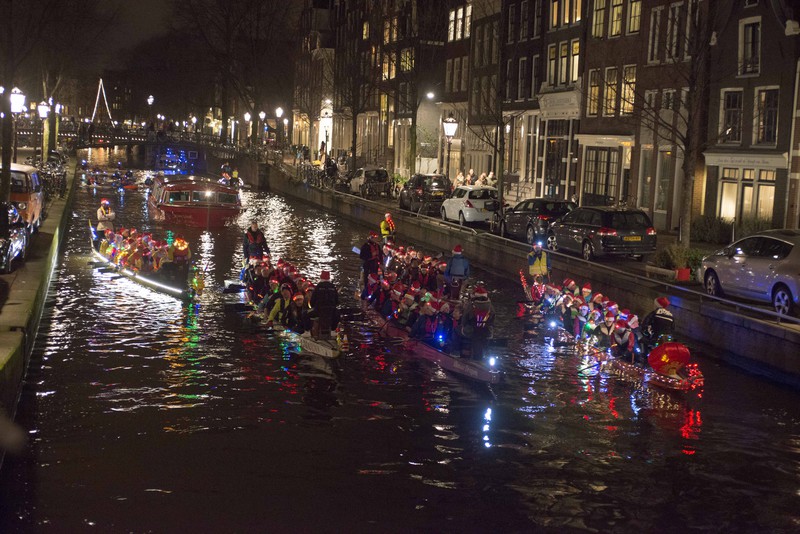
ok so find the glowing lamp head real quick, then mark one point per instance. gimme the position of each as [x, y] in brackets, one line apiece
[279, 112]
[450, 125]
[262, 115]
[17, 99]
[247, 116]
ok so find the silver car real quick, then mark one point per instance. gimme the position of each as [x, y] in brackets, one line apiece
[763, 267]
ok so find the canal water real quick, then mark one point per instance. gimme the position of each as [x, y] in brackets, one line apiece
[146, 415]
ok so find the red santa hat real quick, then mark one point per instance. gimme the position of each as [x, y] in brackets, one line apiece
[325, 275]
[610, 315]
[622, 324]
[569, 283]
[662, 302]
[481, 291]
[587, 287]
[457, 249]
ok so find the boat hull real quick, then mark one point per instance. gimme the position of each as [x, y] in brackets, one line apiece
[197, 216]
[152, 283]
[471, 369]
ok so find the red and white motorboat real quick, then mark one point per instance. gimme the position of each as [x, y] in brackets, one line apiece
[193, 201]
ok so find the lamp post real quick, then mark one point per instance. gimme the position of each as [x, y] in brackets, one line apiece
[150, 101]
[286, 131]
[44, 110]
[450, 125]
[279, 114]
[17, 99]
[248, 127]
[261, 116]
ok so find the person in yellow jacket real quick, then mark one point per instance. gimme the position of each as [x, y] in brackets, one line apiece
[387, 228]
[179, 252]
[280, 310]
[538, 261]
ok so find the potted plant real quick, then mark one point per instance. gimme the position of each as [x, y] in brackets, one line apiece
[672, 261]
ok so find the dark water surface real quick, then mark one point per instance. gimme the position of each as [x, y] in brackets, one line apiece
[148, 415]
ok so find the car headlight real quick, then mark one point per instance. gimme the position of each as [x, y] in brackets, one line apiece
[22, 205]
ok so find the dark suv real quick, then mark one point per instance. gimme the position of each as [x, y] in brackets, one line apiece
[600, 231]
[530, 219]
[425, 193]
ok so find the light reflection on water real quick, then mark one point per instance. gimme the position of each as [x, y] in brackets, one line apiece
[131, 392]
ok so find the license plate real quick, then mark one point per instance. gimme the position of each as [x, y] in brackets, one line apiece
[632, 238]
[438, 194]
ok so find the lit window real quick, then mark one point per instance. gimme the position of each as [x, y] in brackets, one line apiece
[628, 89]
[634, 16]
[610, 93]
[615, 28]
[732, 116]
[767, 116]
[451, 26]
[576, 60]
[564, 56]
[594, 93]
[598, 18]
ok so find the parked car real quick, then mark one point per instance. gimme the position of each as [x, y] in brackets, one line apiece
[530, 219]
[28, 194]
[470, 203]
[764, 267]
[425, 192]
[600, 230]
[371, 182]
[15, 245]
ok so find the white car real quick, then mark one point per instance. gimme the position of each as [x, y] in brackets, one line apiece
[470, 203]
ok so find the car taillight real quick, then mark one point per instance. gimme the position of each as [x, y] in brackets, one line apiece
[468, 204]
[651, 231]
[544, 218]
[605, 232]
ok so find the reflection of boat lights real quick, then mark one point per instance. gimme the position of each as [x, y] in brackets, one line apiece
[487, 418]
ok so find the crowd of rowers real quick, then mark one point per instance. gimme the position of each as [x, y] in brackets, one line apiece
[141, 253]
[281, 295]
[422, 294]
[595, 319]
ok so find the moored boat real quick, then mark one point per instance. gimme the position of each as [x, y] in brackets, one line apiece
[327, 348]
[193, 201]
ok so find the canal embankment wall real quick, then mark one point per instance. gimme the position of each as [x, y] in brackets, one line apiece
[27, 287]
[760, 346]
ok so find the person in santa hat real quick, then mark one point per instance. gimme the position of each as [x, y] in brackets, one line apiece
[659, 324]
[604, 331]
[456, 272]
[623, 341]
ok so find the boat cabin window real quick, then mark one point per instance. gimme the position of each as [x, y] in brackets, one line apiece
[178, 196]
[227, 198]
[201, 196]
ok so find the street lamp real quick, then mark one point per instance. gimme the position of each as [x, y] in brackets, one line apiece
[44, 110]
[286, 130]
[17, 99]
[279, 114]
[261, 116]
[450, 125]
[249, 126]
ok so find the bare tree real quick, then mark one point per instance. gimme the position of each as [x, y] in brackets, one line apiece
[673, 106]
[21, 27]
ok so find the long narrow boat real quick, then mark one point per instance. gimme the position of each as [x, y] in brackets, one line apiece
[671, 357]
[192, 287]
[471, 369]
[193, 201]
[327, 348]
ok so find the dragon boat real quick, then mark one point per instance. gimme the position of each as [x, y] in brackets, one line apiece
[182, 284]
[669, 362]
[463, 367]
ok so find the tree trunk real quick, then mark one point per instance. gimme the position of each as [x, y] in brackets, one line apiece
[412, 142]
[689, 166]
[501, 162]
[354, 139]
